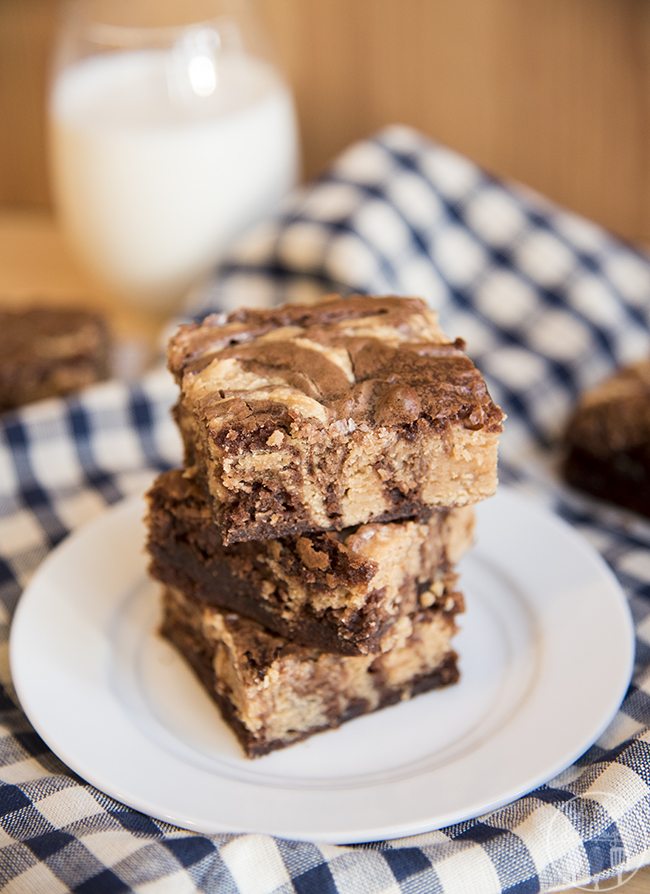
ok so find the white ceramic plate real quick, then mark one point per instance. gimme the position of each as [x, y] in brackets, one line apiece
[546, 647]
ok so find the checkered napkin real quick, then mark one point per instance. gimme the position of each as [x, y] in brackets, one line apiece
[548, 304]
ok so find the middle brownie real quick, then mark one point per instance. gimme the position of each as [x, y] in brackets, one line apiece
[337, 591]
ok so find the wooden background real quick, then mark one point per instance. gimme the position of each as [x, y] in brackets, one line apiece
[555, 93]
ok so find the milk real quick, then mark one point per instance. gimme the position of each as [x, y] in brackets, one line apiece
[152, 189]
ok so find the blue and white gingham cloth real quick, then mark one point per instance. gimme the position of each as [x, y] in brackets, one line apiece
[548, 305]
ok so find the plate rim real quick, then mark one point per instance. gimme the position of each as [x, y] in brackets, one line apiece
[128, 506]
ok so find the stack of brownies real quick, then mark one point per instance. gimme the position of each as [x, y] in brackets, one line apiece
[307, 548]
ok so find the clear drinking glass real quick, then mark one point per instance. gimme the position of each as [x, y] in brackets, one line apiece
[171, 132]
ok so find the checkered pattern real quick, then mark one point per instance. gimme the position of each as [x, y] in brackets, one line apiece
[548, 304]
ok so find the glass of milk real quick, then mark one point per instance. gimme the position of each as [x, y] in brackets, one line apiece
[171, 132]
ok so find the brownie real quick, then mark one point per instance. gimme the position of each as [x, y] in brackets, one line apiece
[337, 591]
[273, 692]
[320, 417]
[49, 352]
[608, 440]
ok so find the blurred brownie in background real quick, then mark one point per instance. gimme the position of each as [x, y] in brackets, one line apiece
[608, 440]
[49, 352]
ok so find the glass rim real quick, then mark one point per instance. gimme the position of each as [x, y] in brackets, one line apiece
[121, 36]
[124, 35]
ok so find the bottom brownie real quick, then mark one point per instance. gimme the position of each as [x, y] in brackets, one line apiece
[273, 692]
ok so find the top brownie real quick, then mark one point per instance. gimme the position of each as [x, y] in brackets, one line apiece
[316, 417]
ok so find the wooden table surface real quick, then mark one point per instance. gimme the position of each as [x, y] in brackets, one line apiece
[35, 263]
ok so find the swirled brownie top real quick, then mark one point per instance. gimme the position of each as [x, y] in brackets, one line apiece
[361, 359]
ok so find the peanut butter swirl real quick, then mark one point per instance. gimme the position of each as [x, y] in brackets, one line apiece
[360, 360]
